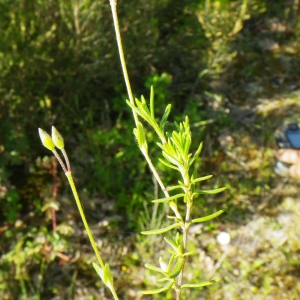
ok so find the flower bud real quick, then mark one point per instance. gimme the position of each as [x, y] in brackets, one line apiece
[57, 138]
[163, 265]
[46, 140]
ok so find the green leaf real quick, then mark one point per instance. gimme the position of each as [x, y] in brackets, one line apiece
[201, 178]
[173, 244]
[139, 133]
[177, 126]
[174, 253]
[154, 268]
[152, 102]
[171, 159]
[170, 263]
[187, 145]
[164, 279]
[99, 270]
[171, 188]
[177, 140]
[165, 117]
[137, 110]
[143, 110]
[157, 291]
[214, 191]
[168, 165]
[162, 230]
[177, 268]
[190, 253]
[167, 199]
[207, 218]
[108, 279]
[197, 153]
[198, 285]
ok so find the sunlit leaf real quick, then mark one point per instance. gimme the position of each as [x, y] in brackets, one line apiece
[214, 191]
[207, 218]
[198, 285]
[177, 268]
[201, 179]
[162, 230]
[168, 199]
[154, 268]
[157, 291]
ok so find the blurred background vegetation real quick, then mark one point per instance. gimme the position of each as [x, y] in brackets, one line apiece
[232, 66]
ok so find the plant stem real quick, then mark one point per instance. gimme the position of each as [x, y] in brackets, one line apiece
[60, 161]
[86, 226]
[66, 159]
[152, 168]
[114, 294]
[184, 242]
[113, 4]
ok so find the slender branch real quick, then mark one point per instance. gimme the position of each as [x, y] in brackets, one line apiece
[184, 242]
[59, 160]
[113, 4]
[66, 159]
[152, 168]
[86, 225]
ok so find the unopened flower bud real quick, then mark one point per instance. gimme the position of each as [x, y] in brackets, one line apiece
[46, 140]
[57, 138]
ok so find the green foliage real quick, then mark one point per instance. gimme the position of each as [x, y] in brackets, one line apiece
[176, 154]
[222, 20]
[33, 251]
[12, 205]
[52, 74]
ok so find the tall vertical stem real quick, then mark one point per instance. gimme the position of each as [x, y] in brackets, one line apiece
[113, 4]
[85, 223]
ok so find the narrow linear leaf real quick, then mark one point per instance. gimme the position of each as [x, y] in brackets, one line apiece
[167, 199]
[154, 268]
[214, 191]
[137, 110]
[190, 253]
[207, 218]
[171, 159]
[170, 263]
[162, 230]
[164, 279]
[177, 125]
[177, 267]
[99, 270]
[157, 291]
[174, 253]
[171, 188]
[172, 244]
[198, 285]
[181, 183]
[197, 153]
[152, 102]
[177, 140]
[108, 279]
[168, 165]
[143, 110]
[165, 117]
[201, 179]
[187, 145]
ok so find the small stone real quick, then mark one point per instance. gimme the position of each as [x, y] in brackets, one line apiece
[223, 238]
